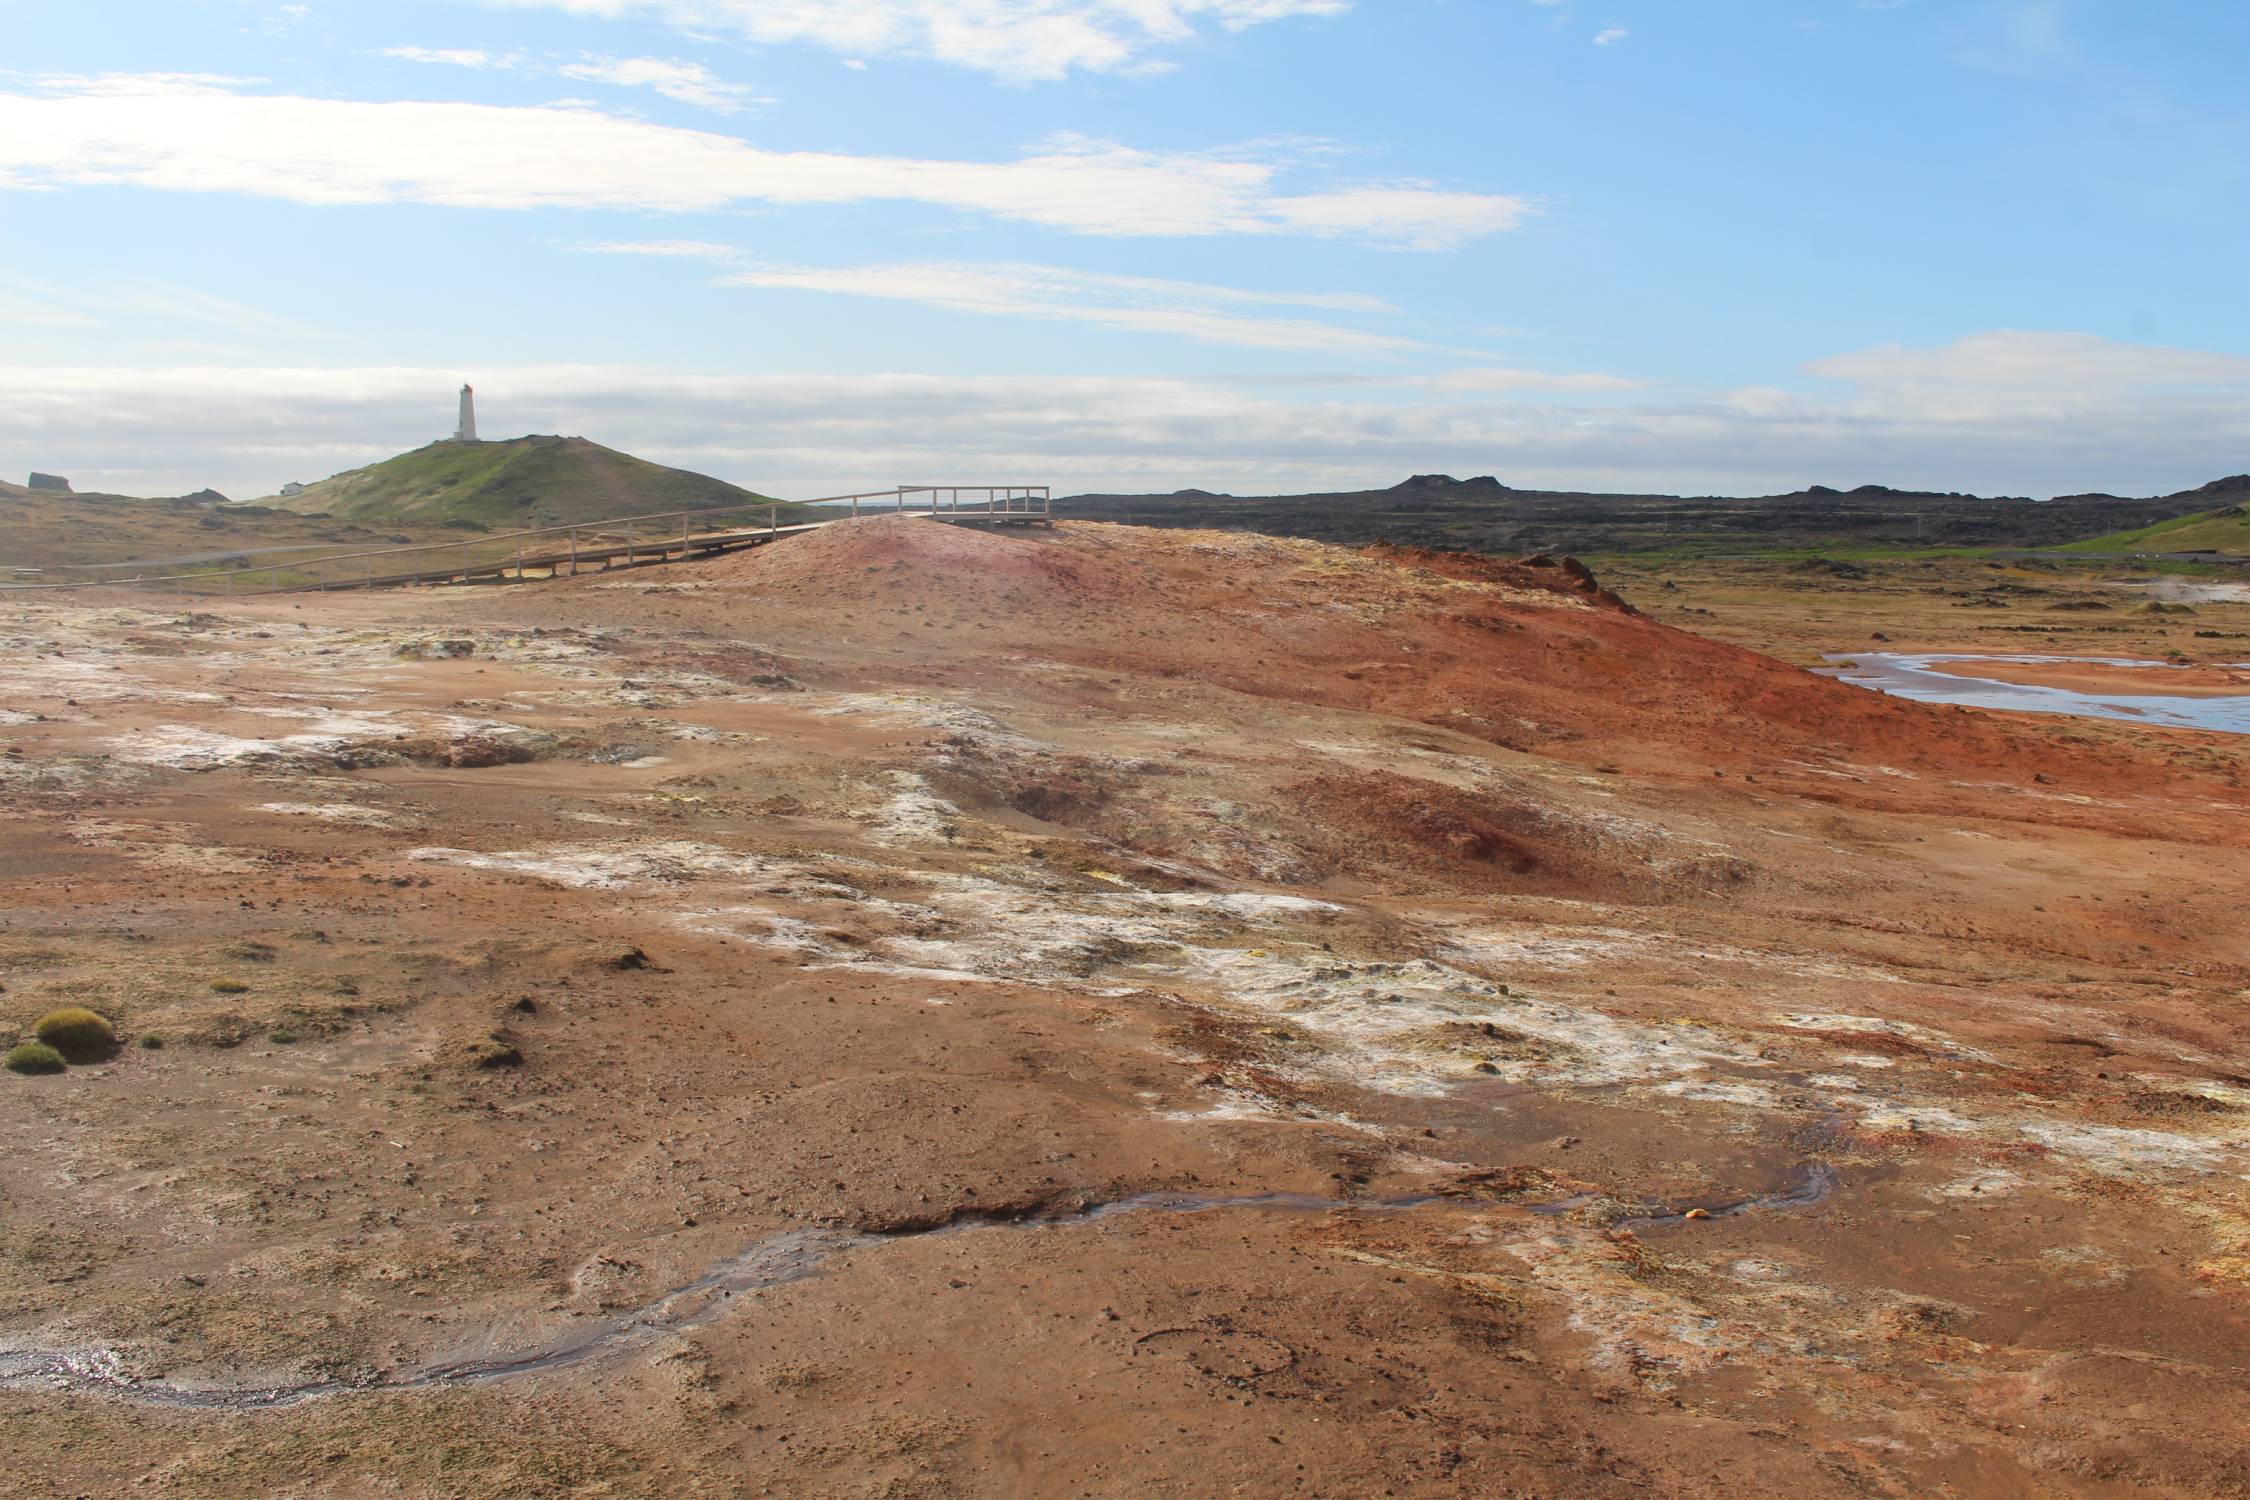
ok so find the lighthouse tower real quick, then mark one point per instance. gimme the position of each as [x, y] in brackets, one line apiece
[467, 431]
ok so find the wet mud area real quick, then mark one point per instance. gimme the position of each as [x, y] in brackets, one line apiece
[2213, 696]
[764, 1025]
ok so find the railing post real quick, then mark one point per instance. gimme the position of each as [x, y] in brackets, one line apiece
[574, 552]
[855, 507]
[902, 499]
[683, 535]
[773, 521]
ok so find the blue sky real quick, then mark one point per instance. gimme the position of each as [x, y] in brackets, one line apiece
[1255, 245]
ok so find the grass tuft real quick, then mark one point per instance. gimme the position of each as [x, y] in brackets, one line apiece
[32, 1057]
[76, 1032]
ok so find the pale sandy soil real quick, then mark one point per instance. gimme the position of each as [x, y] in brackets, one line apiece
[1687, 1074]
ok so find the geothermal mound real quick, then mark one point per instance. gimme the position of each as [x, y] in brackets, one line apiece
[1530, 655]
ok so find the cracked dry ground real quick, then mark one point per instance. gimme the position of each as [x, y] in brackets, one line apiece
[1686, 1073]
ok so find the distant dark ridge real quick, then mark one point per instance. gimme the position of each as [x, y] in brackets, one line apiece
[1483, 514]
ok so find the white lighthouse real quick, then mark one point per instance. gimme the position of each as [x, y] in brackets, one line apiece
[467, 431]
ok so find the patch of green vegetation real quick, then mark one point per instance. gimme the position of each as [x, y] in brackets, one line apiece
[2226, 530]
[151, 1042]
[76, 1032]
[150, 538]
[229, 987]
[1659, 558]
[281, 1036]
[522, 482]
[32, 1057]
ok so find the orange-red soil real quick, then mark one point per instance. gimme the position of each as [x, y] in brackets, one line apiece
[1692, 1073]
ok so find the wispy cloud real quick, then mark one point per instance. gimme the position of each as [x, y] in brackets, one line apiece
[452, 57]
[684, 82]
[669, 249]
[28, 309]
[1016, 40]
[143, 303]
[1512, 378]
[1134, 304]
[675, 78]
[156, 132]
[1610, 36]
[2012, 373]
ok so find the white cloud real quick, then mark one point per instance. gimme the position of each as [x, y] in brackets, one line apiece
[2123, 418]
[1136, 304]
[683, 82]
[131, 85]
[1465, 382]
[142, 304]
[675, 78]
[2013, 371]
[681, 249]
[198, 136]
[456, 57]
[33, 305]
[1194, 310]
[1610, 36]
[1018, 40]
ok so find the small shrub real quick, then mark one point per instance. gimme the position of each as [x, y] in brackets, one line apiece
[281, 1036]
[494, 1051]
[229, 987]
[76, 1032]
[33, 1057]
[151, 1042]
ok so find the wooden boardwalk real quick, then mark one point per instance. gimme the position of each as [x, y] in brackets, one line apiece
[565, 551]
[566, 562]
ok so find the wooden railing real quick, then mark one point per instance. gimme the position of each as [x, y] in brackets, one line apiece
[561, 551]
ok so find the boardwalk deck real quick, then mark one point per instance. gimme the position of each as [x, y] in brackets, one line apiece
[565, 551]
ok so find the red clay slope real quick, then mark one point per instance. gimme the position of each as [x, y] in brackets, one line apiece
[1531, 655]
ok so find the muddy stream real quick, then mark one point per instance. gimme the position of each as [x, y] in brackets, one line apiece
[777, 1260]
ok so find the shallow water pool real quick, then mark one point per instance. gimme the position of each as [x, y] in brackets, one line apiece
[1915, 675]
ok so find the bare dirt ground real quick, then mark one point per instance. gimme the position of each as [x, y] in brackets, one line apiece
[1801, 610]
[914, 1012]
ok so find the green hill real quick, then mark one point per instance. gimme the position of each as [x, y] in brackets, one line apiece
[2212, 531]
[2226, 529]
[520, 482]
